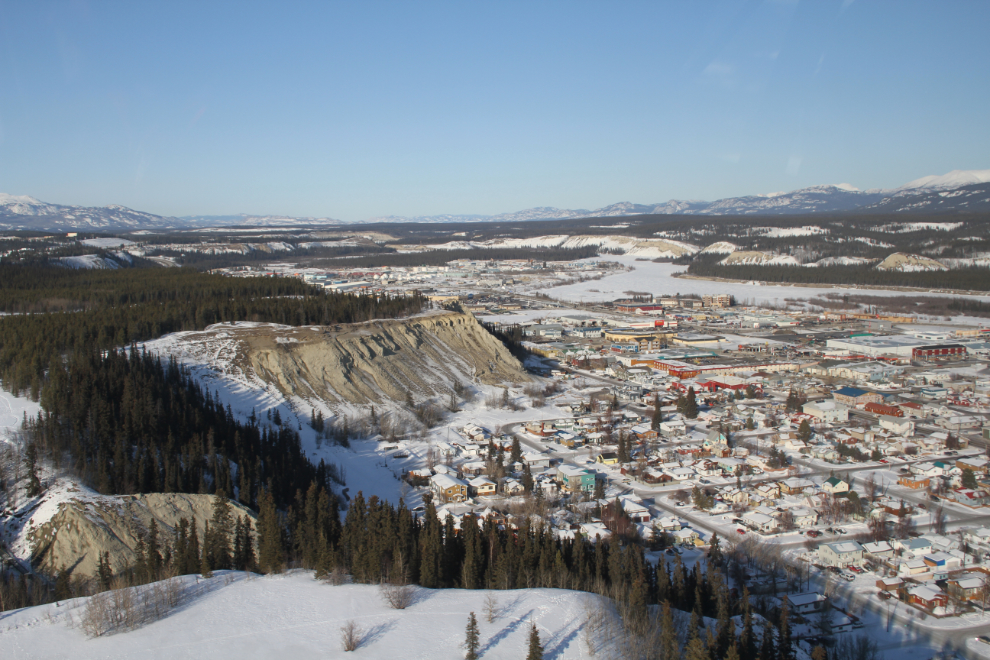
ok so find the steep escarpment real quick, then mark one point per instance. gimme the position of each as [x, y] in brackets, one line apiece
[86, 525]
[382, 361]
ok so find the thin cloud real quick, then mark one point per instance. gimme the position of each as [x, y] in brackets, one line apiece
[719, 69]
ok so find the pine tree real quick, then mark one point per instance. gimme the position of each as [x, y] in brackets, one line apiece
[471, 642]
[732, 653]
[535, 646]
[804, 431]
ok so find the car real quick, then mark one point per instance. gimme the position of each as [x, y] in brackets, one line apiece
[680, 503]
[839, 530]
[933, 498]
[885, 595]
[813, 533]
[830, 530]
[738, 521]
[922, 506]
[855, 569]
[669, 551]
[984, 639]
[741, 531]
[834, 569]
[884, 461]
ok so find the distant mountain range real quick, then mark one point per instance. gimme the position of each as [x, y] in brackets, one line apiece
[959, 190]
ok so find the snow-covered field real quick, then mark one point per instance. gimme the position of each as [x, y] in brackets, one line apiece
[292, 616]
[657, 278]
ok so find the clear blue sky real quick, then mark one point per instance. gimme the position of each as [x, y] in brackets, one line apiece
[362, 109]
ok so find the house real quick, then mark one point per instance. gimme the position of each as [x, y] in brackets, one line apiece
[607, 458]
[978, 465]
[669, 524]
[760, 522]
[889, 584]
[842, 553]
[835, 485]
[537, 461]
[916, 483]
[806, 603]
[878, 550]
[769, 491]
[916, 547]
[512, 487]
[826, 411]
[686, 537]
[481, 486]
[673, 428]
[969, 497]
[927, 597]
[636, 511]
[969, 588]
[448, 488]
[575, 479]
[883, 409]
[644, 432]
[959, 422]
[795, 486]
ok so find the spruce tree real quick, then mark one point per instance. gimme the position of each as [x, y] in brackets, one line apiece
[471, 642]
[205, 569]
[535, 646]
[657, 414]
[670, 645]
[105, 571]
[785, 650]
[515, 455]
[271, 550]
[690, 404]
[695, 649]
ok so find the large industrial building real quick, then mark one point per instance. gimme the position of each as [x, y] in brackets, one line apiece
[898, 345]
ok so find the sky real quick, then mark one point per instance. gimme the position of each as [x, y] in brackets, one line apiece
[356, 110]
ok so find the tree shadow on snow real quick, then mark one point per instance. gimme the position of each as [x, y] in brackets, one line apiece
[504, 632]
[556, 650]
[375, 633]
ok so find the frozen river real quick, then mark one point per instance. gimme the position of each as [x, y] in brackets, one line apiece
[657, 279]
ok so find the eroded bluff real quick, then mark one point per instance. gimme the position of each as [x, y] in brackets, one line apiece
[384, 360]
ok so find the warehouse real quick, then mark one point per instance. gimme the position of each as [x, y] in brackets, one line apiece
[899, 345]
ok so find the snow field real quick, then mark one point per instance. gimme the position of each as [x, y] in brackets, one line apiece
[238, 616]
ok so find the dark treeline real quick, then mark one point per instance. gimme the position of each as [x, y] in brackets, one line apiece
[137, 305]
[127, 423]
[380, 543]
[442, 257]
[971, 279]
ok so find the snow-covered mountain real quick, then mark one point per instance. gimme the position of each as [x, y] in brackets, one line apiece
[959, 190]
[928, 193]
[23, 212]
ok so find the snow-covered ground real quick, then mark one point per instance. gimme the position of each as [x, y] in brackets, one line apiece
[107, 242]
[238, 616]
[658, 279]
[12, 411]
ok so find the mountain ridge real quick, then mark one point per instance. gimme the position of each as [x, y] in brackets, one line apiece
[958, 190]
